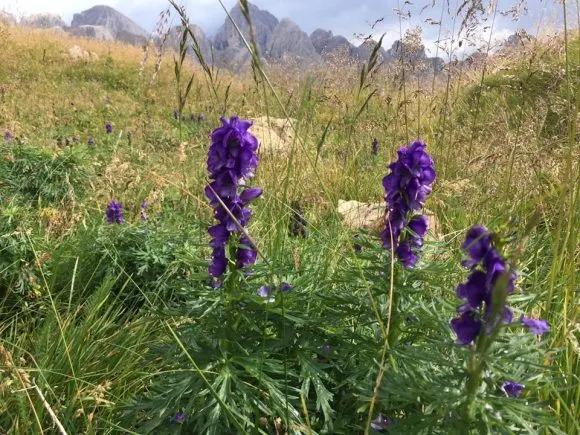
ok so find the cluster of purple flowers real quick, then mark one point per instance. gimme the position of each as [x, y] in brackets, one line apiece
[232, 159]
[488, 270]
[406, 188]
[114, 212]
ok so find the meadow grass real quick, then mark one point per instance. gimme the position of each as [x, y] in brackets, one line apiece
[115, 328]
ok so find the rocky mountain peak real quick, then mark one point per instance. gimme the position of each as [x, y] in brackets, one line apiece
[121, 27]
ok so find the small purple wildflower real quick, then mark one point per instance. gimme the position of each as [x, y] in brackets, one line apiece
[108, 128]
[8, 136]
[357, 247]
[285, 287]
[192, 117]
[176, 114]
[406, 189]
[375, 147]
[232, 159]
[380, 423]
[114, 212]
[179, 417]
[537, 326]
[512, 389]
[91, 142]
[143, 212]
[264, 291]
[488, 269]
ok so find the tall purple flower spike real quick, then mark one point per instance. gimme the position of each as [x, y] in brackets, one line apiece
[406, 189]
[232, 159]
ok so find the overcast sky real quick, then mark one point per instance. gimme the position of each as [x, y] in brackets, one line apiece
[344, 17]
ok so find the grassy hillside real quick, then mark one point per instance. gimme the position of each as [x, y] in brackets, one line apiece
[108, 328]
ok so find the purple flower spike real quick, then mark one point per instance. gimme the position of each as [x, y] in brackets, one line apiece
[108, 128]
[512, 389]
[537, 326]
[232, 159]
[406, 189]
[488, 270]
[114, 212]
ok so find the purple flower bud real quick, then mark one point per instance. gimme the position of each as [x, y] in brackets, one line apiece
[375, 147]
[176, 114]
[108, 128]
[143, 212]
[512, 389]
[179, 417]
[380, 423]
[537, 326]
[467, 327]
[285, 287]
[91, 142]
[264, 291]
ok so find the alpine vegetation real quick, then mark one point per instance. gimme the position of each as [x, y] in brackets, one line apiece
[231, 162]
[406, 189]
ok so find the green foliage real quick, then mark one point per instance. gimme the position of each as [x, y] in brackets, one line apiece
[39, 175]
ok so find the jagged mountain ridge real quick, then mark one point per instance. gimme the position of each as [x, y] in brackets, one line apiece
[277, 40]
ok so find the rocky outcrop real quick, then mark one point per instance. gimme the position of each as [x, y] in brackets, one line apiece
[288, 40]
[77, 53]
[120, 27]
[275, 135]
[42, 21]
[325, 43]
[100, 33]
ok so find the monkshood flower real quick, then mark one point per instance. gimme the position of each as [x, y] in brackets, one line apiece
[512, 389]
[537, 326]
[375, 147]
[406, 189]
[232, 159]
[8, 136]
[380, 423]
[488, 271]
[114, 212]
[108, 128]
